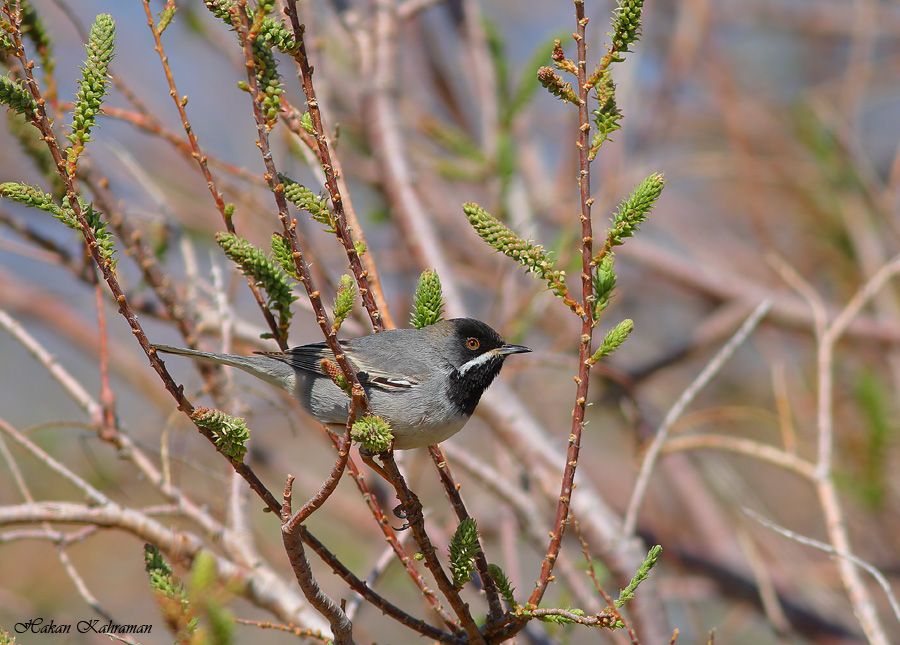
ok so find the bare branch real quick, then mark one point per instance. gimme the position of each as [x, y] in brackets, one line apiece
[662, 433]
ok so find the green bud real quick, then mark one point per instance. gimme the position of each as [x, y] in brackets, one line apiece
[504, 586]
[16, 97]
[634, 209]
[162, 579]
[428, 303]
[281, 252]
[463, 548]
[604, 283]
[344, 300]
[607, 116]
[642, 574]
[373, 433]
[94, 83]
[165, 18]
[530, 255]
[626, 24]
[37, 198]
[306, 123]
[264, 272]
[230, 433]
[554, 84]
[305, 199]
[614, 338]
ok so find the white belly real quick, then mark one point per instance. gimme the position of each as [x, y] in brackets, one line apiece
[419, 436]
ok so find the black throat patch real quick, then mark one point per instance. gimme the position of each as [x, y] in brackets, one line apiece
[465, 389]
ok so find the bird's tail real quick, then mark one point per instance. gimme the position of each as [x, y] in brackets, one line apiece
[263, 367]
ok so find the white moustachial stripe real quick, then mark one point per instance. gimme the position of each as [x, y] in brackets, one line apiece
[478, 360]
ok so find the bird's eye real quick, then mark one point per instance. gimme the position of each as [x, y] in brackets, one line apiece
[473, 344]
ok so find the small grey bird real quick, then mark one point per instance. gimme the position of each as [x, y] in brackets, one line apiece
[424, 382]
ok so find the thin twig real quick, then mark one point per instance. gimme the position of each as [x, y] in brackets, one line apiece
[341, 229]
[54, 465]
[41, 121]
[370, 596]
[592, 573]
[267, 592]
[828, 548]
[749, 447]
[396, 545]
[61, 553]
[151, 125]
[387, 144]
[291, 629]
[687, 396]
[328, 486]
[107, 422]
[201, 159]
[71, 385]
[530, 520]
[603, 619]
[375, 574]
[242, 22]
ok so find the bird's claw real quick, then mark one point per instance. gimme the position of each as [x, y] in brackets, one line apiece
[400, 513]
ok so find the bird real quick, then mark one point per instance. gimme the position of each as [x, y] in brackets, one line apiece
[426, 382]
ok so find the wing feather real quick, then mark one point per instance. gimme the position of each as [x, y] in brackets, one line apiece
[309, 359]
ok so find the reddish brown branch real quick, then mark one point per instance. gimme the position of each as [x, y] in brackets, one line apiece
[242, 22]
[328, 166]
[341, 627]
[587, 325]
[377, 601]
[107, 424]
[328, 486]
[481, 563]
[592, 573]
[41, 121]
[291, 118]
[201, 160]
[391, 536]
[148, 123]
[413, 509]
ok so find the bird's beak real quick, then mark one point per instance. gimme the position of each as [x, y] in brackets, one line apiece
[505, 350]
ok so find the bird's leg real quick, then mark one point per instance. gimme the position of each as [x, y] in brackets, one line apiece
[409, 511]
[402, 511]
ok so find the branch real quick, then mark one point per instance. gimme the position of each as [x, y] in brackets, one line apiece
[341, 626]
[198, 154]
[828, 548]
[582, 380]
[341, 228]
[265, 591]
[481, 563]
[687, 396]
[413, 509]
[242, 24]
[70, 384]
[749, 447]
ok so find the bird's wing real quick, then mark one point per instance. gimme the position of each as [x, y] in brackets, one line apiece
[309, 359]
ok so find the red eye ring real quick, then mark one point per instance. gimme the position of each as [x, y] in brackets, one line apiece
[473, 343]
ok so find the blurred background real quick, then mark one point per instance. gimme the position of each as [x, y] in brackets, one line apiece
[777, 125]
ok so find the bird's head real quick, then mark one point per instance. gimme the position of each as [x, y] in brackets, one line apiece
[476, 353]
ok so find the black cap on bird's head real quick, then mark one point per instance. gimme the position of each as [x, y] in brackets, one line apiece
[476, 353]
